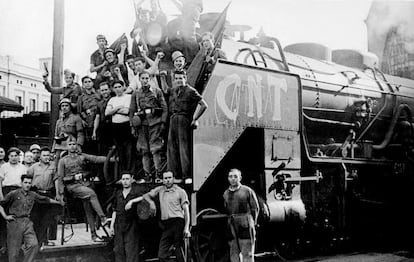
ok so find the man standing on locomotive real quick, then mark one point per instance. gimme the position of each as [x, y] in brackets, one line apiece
[241, 205]
[68, 124]
[148, 104]
[182, 104]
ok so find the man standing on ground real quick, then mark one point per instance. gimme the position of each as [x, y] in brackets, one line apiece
[20, 227]
[45, 184]
[175, 216]
[241, 205]
[124, 223]
[10, 174]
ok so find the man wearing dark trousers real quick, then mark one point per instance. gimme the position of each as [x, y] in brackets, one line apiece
[20, 230]
[124, 223]
[182, 104]
[175, 217]
[45, 184]
[71, 172]
[149, 105]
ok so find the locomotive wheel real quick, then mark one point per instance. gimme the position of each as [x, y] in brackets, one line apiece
[209, 238]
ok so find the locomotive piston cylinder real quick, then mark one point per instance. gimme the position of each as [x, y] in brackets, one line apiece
[281, 211]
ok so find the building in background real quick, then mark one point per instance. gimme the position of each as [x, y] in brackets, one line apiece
[24, 85]
[391, 37]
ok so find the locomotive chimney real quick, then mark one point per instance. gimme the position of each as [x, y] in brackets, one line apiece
[311, 50]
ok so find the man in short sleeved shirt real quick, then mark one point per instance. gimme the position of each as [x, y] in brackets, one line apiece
[45, 184]
[182, 103]
[19, 227]
[175, 217]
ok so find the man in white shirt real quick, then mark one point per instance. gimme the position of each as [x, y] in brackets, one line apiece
[118, 109]
[11, 172]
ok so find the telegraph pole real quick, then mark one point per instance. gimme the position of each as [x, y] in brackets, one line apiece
[57, 62]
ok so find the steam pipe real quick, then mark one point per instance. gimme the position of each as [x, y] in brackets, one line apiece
[328, 121]
[390, 131]
[236, 57]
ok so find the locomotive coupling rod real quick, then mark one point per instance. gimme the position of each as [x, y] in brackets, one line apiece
[315, 178]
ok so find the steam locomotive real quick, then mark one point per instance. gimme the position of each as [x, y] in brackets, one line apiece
[323, 137]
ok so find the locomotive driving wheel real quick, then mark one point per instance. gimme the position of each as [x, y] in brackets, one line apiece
[209, 237]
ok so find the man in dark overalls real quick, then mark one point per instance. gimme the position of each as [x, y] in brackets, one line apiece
[20, 230]
[182, 103]
[124, 223]
[148, 103]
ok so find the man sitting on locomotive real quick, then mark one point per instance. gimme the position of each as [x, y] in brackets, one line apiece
[72, 175]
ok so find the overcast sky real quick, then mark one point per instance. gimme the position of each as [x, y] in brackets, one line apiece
[26, 26]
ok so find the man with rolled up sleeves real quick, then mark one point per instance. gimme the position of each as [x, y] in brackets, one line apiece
[20, 232]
